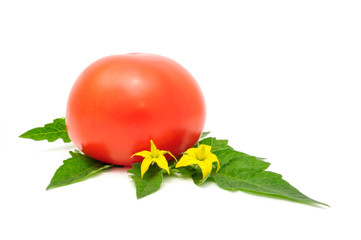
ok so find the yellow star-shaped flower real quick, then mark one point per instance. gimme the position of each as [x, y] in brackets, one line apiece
[154, 155]
[201, 156]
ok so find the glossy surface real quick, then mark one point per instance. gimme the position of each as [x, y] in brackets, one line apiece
[119, 103]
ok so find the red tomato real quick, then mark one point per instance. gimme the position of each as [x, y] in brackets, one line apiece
[119, 103]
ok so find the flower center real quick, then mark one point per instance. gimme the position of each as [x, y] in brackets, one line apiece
[154, 152]
[201, 154]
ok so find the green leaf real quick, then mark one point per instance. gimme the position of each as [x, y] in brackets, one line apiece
[51, 132]
[204, 134]
[216, 145]
[151, 181]
[249, 163]
[77, 168]
[240, 171]
[261, 182]
[187, 171]
[198, 176]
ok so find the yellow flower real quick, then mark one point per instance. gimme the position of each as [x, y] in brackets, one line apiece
[201, 156]
[154, 155]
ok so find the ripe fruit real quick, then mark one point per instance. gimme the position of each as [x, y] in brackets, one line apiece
[119, 103]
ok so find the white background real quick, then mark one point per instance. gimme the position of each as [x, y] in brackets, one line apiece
[281, 81]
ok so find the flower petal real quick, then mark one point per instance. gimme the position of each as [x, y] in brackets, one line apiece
[145, 165]
[192, 152]
[186, 160]
[162, 162]
[213, 158]
[143, 153]
[165, 152]
[206, 167]
[153, 149]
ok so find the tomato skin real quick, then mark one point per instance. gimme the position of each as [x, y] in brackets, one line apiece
[120, 102]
